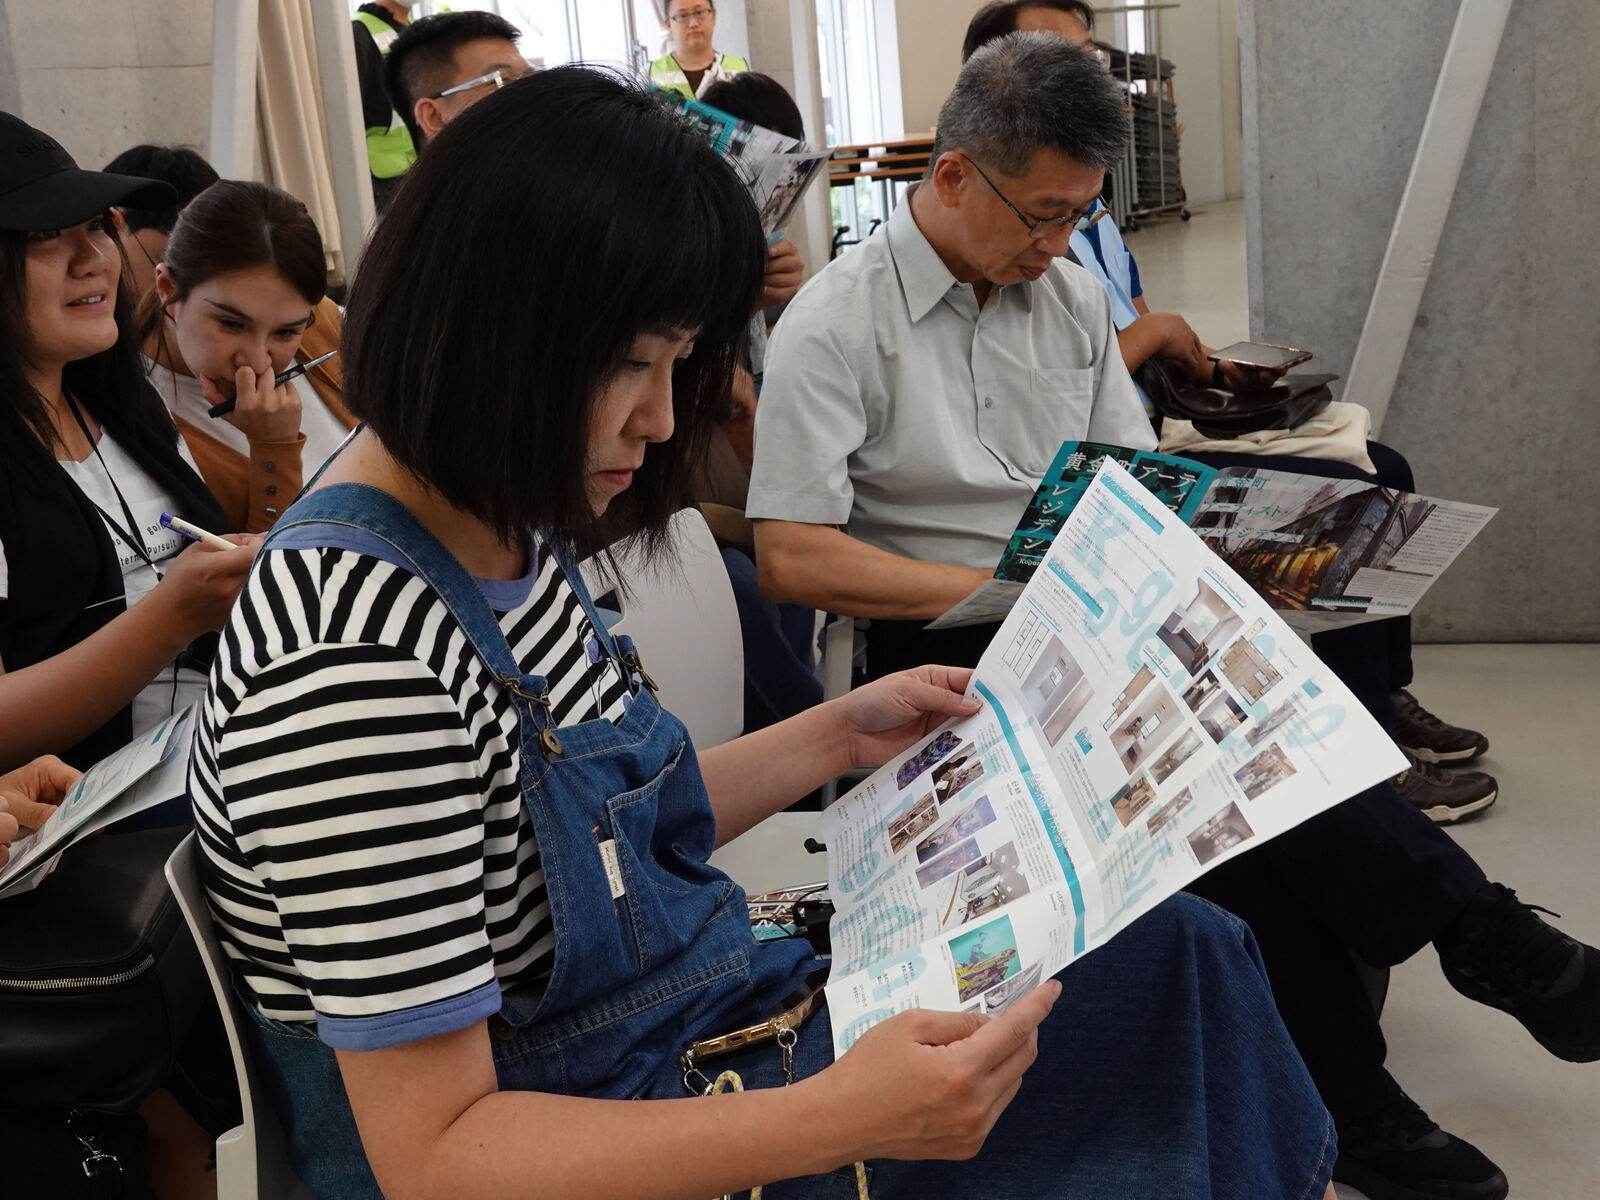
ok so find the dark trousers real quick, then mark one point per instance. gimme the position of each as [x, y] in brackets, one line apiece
[778, 679]
[1371, 879]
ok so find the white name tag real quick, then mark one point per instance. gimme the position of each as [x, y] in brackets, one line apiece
[608, 855]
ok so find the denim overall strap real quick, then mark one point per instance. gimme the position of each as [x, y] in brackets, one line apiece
[361, 506]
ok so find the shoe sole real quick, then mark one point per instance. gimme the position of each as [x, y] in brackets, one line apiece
[1380, 1187]
[1444, 814]
[1487, 998]
[1444, 756]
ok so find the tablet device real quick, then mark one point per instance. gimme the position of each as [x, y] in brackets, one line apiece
[1261, 354]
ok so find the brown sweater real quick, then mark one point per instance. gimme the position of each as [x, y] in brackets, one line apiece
[253, 490]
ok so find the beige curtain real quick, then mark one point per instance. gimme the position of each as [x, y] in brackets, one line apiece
[293, 142]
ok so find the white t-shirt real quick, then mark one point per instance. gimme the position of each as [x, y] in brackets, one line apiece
[166, 694]
[185, 398]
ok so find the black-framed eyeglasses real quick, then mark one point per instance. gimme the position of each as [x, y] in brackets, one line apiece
[697, 14]
[499, 78]
[1040, 228]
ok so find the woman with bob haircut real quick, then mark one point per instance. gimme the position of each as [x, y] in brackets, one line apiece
[458, 851]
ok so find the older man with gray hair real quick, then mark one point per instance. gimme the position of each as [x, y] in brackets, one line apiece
[917, 389]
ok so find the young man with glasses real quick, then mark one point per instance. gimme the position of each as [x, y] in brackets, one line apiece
[694, 65]
[916, 391]
[442, 65]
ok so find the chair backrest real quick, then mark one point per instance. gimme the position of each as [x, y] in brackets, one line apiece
[682, 617]
[252, 1162]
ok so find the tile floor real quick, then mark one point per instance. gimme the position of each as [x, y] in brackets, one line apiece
[1476, 1071]
[1197, 268]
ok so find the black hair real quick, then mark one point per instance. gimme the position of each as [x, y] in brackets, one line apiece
[760, 99]
[182, 167]
[421, 59]
[666, 9]
[544, 230]
[1000, 18]
[235, 224]
[111, 382]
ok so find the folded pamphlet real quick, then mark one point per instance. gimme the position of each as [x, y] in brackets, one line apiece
[1146, 715]
[150, 770]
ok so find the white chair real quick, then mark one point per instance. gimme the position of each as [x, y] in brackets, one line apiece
[252, 1161]
[682, 617]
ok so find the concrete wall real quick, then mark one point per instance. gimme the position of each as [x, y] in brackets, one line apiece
[102, 75]
[1200, 38]
[929, 33]
[1496, 401]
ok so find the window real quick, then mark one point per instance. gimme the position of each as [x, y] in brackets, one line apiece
[854, 95]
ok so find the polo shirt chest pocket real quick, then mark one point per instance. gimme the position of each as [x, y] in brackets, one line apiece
[1024, 425]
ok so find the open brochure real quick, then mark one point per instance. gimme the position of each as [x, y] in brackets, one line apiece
[1323, 552]
[148, 771]
[776, 169]
[1145, 716]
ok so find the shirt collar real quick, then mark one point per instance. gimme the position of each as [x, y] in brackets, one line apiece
[923, 276]
[924, 279]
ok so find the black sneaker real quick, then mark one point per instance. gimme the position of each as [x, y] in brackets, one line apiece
[1445, 796]
[1430, 739]
[1398, 1153]
[1499, 952]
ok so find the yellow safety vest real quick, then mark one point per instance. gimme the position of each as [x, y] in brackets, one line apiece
[389, 151]
[666, 74]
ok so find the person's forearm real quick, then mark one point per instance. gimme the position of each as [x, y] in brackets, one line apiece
[50, 706]
[750, 778]
[529, 1144]
[1140, 342]
[824, 568]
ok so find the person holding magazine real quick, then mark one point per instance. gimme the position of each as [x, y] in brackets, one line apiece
[510, 926]
[911, 407]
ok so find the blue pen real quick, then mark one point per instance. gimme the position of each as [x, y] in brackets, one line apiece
[195, 534]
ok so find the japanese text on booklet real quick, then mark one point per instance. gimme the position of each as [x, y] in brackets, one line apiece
[1323, 552]
[1146, 716]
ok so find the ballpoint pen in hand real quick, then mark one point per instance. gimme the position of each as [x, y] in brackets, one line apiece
[294, 372]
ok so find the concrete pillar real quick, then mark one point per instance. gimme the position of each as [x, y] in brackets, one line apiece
[1495, 401]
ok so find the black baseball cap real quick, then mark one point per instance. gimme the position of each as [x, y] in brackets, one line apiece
[41, 187]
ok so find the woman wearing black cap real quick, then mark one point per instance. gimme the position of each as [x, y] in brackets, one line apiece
[100, 606]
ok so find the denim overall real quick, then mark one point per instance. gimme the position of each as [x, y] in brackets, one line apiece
[652, 945]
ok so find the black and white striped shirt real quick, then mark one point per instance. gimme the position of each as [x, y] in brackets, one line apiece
[372, 866]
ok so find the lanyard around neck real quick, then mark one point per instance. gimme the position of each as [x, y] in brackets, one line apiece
[130, 536]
